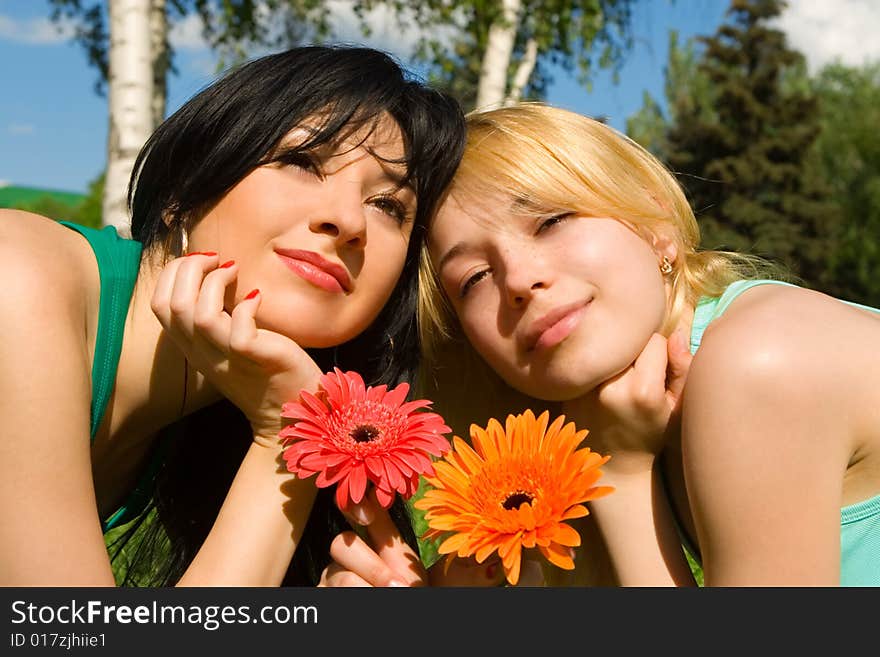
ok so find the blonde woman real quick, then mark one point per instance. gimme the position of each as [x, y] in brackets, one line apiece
[564, 256]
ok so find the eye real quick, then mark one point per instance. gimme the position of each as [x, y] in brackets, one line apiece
[301, 160]
[391, 206]
[549, 222]
[473, 280]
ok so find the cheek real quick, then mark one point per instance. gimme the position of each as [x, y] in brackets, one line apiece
[480, 327]
[383, 265]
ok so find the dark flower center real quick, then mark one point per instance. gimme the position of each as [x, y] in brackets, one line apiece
[516, 500]
[364, 433]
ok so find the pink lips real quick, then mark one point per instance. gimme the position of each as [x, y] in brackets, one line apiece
[316, 269]
[555, 326]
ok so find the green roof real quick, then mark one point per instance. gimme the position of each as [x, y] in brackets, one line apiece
[12, 196]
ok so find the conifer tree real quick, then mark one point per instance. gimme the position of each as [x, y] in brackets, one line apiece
[746, 164]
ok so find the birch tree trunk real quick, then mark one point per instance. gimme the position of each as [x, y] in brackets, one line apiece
[160, 55]
[523, 72]
[492, 88]
[131, 102]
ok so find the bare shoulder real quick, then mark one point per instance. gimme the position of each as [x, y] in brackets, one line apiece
[784, 330]
[44, 319]
[51, 294]
[48, 262]
[791, 353]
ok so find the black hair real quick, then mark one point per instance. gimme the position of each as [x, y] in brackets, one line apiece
[189, 163]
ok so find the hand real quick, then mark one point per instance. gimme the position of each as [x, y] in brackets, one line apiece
[631, 416]
[386, 560]
[256, 369]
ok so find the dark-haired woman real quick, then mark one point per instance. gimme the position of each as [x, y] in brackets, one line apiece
[277, 218]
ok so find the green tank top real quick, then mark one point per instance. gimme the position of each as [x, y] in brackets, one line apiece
[859, 523]
[118, 263]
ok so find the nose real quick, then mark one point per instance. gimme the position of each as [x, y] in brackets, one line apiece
[343, 219]
[521, 280]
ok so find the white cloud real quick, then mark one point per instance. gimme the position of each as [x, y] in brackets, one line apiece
[186, 34]
[825, 31]
[388, 33]
[37, 31]
[20, 129]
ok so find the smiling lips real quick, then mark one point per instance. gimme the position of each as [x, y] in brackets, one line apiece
[316, 270]
[551, 329]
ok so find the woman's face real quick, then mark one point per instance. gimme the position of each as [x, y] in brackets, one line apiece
[554, 304]
[324, 237]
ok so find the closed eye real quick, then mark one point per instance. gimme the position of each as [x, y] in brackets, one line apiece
[473, 280]
[300, 160]
[549, 222]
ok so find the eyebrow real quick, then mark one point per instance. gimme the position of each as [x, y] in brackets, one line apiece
[391, 172]
[459, 249]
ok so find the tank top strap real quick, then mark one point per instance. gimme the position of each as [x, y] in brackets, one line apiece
[118, 263]
[709, 309]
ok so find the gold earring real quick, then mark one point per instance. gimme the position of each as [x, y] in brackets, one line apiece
[665, 266]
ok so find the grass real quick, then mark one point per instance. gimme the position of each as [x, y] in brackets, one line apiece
[14, 197]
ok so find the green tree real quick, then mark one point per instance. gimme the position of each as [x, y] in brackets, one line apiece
[577, 36]
[746, 164]
[88, 213]
[231, 27]
[688, 92]
[848, 151]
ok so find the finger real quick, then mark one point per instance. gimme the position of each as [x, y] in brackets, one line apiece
[467, 572]
[187, 286]
[389, 544]
[680, 359]
[351, 552]
[649, 381]
[161, 300]
[243, 328]
[362, 513]
[335, 575]
[210, 318]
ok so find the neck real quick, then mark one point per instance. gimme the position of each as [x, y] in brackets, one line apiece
[155, 384]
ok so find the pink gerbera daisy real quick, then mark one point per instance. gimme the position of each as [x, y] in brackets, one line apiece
[350, 434]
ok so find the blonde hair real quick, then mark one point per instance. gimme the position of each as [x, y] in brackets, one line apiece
[553, 160]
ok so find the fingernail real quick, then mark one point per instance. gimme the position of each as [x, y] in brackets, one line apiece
[360, 514]
[251, 294]
[227, 264]
[395, 582]
[204, 253]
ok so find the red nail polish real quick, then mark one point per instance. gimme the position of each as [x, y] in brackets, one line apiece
[251, 294]
[208, 253]
[227, 264]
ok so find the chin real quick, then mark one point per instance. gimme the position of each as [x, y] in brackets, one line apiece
[313, 335]
[561, 382]
[555, 392]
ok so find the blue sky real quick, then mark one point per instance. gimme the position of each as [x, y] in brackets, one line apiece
[53, 126]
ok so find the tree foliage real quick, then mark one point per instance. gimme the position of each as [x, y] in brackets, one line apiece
[578, 36]
[232, 27]
[848, 151]
[741, 136]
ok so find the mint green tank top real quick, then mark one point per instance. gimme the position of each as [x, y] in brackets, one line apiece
[118, 263]
[859, 523]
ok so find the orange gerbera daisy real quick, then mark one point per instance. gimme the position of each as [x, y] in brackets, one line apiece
[514, 489]
[351, 434]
